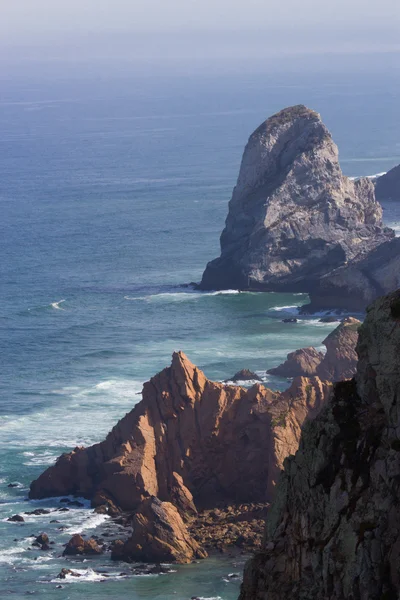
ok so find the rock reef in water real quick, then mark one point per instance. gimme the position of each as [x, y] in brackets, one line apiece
[293, 216]
[387, 187]
[190, 441]
[339, 362]
[334, 529]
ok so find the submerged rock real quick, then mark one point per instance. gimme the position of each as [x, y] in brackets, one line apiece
[339, 362]
[16, 519]
[387, 187]
[334, 529]
[159, 535]
[64, 572]
[190, 441]
[293, 217]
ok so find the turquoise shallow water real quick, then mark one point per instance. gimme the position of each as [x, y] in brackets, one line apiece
[113, 193]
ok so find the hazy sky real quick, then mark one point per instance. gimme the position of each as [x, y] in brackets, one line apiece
[224, 27]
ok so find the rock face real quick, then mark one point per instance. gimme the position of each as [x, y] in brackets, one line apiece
[303, 362]
[159, 535]
[334, 529]
[293, 216]
[339, 362]
[190, 441]
[77, 545]
[355, 286]
[387, 186]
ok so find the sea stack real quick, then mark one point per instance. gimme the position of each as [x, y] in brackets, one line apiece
[293, 217]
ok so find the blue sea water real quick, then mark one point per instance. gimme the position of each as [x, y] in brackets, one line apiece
[113, 194]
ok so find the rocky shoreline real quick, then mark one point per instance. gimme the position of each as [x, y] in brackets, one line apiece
[191, 470]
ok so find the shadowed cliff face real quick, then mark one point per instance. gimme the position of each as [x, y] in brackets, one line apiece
[354, 286]
[190, 439]
[334, 529]
[388, 186]
[293, 216]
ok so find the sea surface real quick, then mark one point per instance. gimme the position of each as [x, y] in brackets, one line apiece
[113, 194]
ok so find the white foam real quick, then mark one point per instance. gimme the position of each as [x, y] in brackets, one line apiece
[84, 523]
[85, 576]
[109, 399]
[293, 309]
[9, 555]
[368, 176]
[56, 305]
[184, 296]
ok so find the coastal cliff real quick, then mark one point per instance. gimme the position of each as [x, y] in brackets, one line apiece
[293, 216]
[334, 529]
[190, 441]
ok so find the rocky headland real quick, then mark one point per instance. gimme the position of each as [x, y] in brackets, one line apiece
[294, 217]
[338, 363]
[333, 531]
[189, 446]
[387, 187]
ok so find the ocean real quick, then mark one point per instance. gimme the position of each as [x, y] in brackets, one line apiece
[113, 194]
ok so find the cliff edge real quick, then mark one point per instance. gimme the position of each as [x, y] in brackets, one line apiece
[334, 529]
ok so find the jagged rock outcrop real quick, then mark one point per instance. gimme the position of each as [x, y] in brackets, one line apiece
[159, 535]
[387, 187]
[355, 286]
[293, 216]
[302, 362]
[339, 362]
[190, 441]
[334, 529]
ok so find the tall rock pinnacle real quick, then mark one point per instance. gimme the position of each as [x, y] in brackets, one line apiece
[293, 216]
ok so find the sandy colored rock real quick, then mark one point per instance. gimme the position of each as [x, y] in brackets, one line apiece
[293, 216]
[338, 363]
[333, 531]
[190, 440]
[77, 545]
[340, 360]
[159, 535]
[303, 362]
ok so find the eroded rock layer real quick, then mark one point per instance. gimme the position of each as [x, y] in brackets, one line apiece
[293, 216]
[190, 441]
[334, 529]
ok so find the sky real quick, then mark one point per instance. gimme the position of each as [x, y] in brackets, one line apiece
[172, 29]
